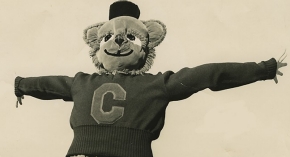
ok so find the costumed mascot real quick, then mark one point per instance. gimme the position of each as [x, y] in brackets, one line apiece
[120, 110]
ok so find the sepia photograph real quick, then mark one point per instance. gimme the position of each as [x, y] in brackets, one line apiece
[132, 78]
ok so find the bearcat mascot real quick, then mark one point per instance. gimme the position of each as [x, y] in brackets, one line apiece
[120, 110]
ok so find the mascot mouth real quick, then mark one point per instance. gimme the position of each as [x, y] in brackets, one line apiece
[118, 54]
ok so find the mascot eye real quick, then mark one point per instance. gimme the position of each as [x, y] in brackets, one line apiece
[131, 37]
[107, 37]
[134, 40]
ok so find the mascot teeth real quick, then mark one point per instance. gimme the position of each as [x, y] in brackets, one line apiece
[118, 53]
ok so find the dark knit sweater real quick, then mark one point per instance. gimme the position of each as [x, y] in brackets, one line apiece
[119, 115]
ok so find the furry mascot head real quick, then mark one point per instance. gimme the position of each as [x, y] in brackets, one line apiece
[124, 44]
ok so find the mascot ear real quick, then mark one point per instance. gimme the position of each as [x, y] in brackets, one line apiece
[156, 30]
[91, 35]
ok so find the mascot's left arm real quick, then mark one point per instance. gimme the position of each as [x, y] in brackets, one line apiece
[220, 76]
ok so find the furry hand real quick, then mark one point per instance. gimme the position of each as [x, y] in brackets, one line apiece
[19, 100]
[280, 64]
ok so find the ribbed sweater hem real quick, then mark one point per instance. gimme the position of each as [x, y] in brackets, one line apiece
[110, 141]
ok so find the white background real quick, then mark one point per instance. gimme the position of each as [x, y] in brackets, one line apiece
[44, 37]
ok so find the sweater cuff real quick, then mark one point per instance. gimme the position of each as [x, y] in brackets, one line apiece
[16, 84]
[271, 67]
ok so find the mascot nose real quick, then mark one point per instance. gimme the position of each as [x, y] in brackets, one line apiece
[119, 41]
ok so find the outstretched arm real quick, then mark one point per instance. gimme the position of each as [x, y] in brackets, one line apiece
[217, 76]
[45, 87]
